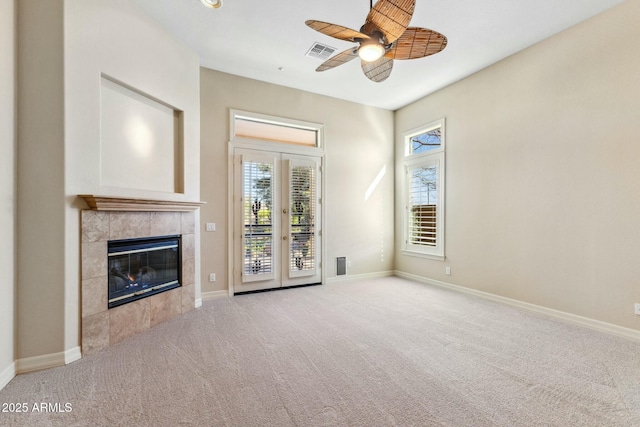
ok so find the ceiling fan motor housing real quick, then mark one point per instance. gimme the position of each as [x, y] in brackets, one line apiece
[374, 33]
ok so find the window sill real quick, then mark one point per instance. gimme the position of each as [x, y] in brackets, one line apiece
[423, 255]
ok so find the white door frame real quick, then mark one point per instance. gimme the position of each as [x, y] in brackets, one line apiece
[275, 268]
[231, 220]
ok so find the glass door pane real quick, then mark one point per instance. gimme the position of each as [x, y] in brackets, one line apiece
[258, 215]
[302, 195]
[302, 219]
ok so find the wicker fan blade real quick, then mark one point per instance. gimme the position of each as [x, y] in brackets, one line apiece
[417, 43]
[378, 70]
[339, 59]
[336, 31]
[392, 17]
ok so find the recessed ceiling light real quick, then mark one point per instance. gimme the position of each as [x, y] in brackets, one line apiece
[213, 4]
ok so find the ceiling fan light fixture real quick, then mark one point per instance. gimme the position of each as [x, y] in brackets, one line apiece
[370, 52]
[384, 37]
[213, 4]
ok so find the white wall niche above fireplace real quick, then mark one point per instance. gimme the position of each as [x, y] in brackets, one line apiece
[141, 140]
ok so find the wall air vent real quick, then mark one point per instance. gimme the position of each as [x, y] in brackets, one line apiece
[320, 51]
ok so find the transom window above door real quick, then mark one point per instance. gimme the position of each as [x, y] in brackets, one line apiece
[260, 127]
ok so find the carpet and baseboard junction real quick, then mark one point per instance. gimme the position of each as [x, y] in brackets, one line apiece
[382, 351]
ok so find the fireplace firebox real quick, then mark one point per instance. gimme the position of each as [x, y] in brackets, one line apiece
[139, 268]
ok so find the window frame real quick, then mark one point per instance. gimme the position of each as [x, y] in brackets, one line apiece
[426, 159]
[276, 121]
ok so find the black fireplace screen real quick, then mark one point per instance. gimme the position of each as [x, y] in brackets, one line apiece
[139, 268]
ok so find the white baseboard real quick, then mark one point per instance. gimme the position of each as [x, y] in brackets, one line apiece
[349, 277]
[46, 361]
[7, 375]
[207, 296]
[72, 355]
[586, 322]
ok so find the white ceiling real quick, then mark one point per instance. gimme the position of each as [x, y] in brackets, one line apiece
[268, 40]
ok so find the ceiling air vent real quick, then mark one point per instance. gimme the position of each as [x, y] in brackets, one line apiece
[320, 51]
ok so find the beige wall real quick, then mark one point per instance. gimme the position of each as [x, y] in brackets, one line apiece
[65, 47]
[41, 232]
[543, 190]
[7, 188]
[357, 148]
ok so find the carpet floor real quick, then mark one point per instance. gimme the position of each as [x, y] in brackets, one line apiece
[383, 352]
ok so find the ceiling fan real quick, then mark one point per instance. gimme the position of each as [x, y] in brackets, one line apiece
[385, 36]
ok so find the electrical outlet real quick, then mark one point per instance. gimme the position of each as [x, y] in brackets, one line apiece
[447, 271]
[212, 277]
[637, 309]
[211, 226]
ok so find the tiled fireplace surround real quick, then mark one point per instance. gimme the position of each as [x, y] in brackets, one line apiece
[102, 327]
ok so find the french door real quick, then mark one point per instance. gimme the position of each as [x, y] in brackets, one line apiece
[277, 236]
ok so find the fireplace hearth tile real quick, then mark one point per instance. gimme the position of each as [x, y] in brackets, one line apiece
[164, 223]
[94, 296]
[188, 298]
[165, 306]
[129, 225]
[188, 246]
[94, 259]
[188, 223]
[102, 327]
[188, 272]
[128, 320]
[95, 332]
[95, 226]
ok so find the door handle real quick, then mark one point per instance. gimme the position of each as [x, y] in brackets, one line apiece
[284, 211]
[284, 237]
